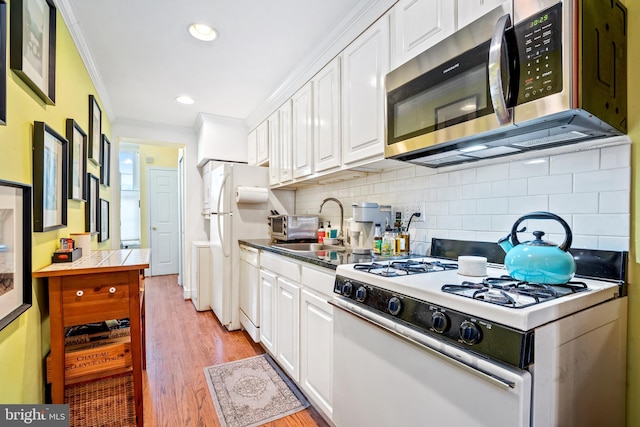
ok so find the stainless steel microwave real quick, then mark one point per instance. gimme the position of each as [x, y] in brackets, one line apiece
[531, 74]
[293, 227]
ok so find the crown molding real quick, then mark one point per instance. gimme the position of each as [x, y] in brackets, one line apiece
[71, 21]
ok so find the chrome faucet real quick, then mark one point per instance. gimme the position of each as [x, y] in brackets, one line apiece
[333, 199]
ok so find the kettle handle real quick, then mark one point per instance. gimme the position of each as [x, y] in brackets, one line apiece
[543, 215]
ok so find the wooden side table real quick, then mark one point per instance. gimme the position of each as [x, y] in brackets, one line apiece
[101, 286]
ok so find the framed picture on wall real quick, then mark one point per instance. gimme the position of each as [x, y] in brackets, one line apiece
[50, 179]
[95, 130]
[15, 251]
[3, 62]
[92, 205]
[77, 160]
[33, 45]
[105, 161]
[103, 235]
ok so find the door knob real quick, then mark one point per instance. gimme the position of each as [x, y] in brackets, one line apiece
[154, 228]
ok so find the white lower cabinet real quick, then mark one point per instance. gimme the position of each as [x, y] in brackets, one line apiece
[297, 324]
[288, 327]
[267, 310]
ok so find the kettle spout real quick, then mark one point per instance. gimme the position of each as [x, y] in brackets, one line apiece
[505, 244]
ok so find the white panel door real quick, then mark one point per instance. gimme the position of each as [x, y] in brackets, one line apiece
[288, 327]
[163, 221]
[366, 63]
[416, 25]
[326, 111]
[274, 148]
[267, 311]
[286, 148]
[470, 10]
[302, 131]
[262, 144]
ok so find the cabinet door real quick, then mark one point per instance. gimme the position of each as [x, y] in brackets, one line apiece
[470, 10]
[252, 147]
[267, 311]
[285, 148]
[316, 350]
[302, 134]
[326, 111]
[288, 327]
[416, 25]
[365, 64]
[262, 143]
[274, 145]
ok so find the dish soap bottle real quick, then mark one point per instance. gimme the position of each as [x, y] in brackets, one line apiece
[377, 240]
[321, 233]
[328, 231]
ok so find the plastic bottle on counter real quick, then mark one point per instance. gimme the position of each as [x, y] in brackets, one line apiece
[328, 230]
[377, 240]
[321, 233]
[388, 243]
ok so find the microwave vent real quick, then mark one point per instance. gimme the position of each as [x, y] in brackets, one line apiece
[552, 139]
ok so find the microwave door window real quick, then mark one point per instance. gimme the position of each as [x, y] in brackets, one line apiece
[454, 100]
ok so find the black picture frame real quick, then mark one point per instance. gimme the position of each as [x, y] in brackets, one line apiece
[91, 212]
[105, 161]
[3, 62]
[33, 46]
[15, 239]
[77, 138]
[103, 235]
[50, 178]
[95, 130]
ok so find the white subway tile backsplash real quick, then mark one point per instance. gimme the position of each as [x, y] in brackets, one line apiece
[573, 203]
[614, 202]
[616, 157]
[602, 180]
[589, 189]
[575, 162]
[555, 184]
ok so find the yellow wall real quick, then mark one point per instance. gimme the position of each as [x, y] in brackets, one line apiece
[25, 342]
[633, 356]
[162, 157]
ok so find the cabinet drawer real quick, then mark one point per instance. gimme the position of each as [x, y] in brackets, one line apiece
[320, 280]
[93, 298]
[280, 265]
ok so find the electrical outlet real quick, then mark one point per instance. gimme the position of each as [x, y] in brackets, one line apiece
[410, 209]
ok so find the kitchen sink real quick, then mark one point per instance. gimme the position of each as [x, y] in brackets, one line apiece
[308, 247]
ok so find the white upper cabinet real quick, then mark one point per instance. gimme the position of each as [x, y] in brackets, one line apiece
[274, 148]
[262, 144]
[470, 10]
[417, 25]
[252, 147]
[365, 64]
[302, 133]
[327, 137]
[286, 148]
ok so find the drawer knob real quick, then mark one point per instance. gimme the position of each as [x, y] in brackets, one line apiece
[112, 290]
[79, 293]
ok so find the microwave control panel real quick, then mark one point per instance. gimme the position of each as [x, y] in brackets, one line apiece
[539, 40]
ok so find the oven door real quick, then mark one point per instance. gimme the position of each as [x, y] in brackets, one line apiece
[388, 375]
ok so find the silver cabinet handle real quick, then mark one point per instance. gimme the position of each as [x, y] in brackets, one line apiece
[112, 290]
[79, 293]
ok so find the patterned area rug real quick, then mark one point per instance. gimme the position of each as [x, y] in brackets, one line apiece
[253, 391]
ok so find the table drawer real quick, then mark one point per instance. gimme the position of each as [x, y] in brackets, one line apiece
[93, 298]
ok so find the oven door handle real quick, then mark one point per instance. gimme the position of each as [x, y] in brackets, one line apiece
[500, 382]
[494, 66]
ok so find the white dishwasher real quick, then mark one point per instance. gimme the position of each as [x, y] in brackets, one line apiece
[250, 291]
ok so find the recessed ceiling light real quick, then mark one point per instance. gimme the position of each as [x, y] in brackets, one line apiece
[185, 100]
[202, 32]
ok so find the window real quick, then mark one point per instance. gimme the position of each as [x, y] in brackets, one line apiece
[129, 195]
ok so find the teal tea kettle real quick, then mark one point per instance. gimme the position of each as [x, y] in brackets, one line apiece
[537, 260]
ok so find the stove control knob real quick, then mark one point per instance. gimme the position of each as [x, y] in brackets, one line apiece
[394, 306]
[361, 294]
[347, 288]
[469, 333]
[439, 322]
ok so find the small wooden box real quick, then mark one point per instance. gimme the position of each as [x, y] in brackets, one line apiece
[66, 256]
[109, 355]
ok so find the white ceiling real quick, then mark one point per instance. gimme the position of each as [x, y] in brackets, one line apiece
[141, 57]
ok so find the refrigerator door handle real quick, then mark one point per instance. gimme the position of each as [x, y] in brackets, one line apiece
[219, 217]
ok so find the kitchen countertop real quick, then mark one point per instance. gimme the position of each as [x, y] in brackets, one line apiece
[327, 259]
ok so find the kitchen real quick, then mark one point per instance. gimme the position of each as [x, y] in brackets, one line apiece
[502, 183]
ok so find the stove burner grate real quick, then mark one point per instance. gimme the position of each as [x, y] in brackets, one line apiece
[508, 292]
[403, 268]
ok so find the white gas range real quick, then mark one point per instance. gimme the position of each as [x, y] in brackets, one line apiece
[417, 343]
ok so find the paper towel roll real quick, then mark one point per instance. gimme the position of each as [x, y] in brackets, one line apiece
[252, 195]
[82, 240]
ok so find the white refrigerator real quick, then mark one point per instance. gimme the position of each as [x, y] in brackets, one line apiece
[230, 222]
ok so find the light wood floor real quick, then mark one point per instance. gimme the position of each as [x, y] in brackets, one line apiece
[181, 342]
